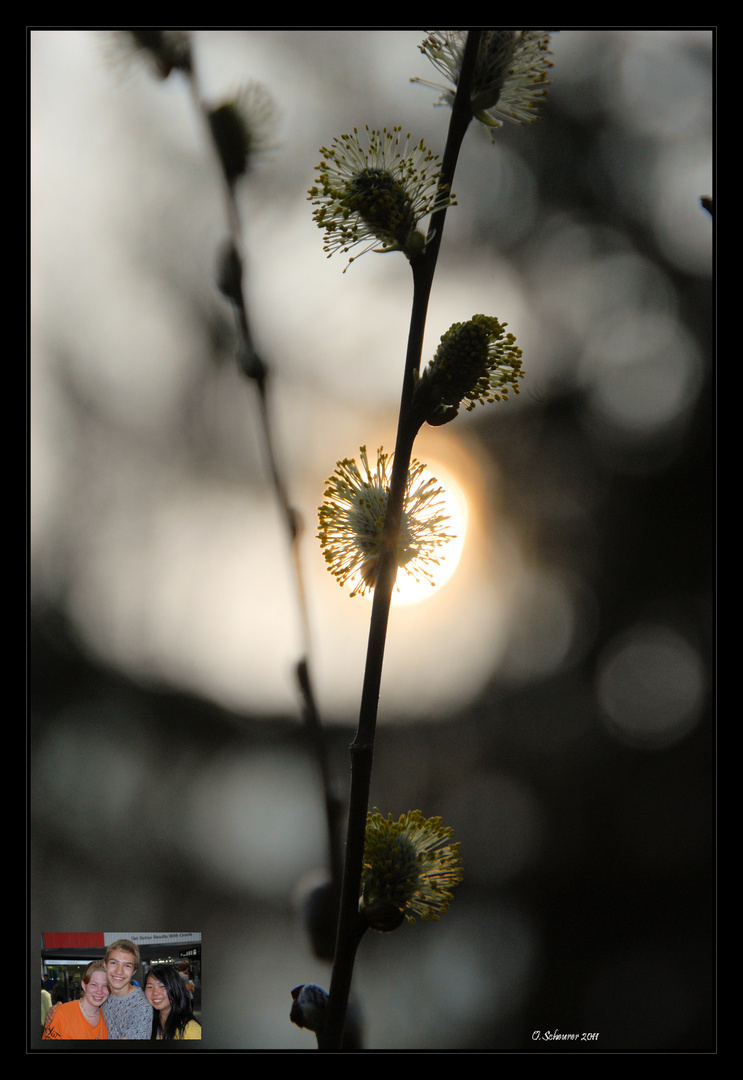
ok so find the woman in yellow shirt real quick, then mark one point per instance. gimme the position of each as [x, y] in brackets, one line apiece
[82, 1019]
[173, 1017]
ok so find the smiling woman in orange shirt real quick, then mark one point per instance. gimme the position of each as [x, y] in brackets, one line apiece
[82, 1019]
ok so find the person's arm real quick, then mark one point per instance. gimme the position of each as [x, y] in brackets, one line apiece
[52, 1028]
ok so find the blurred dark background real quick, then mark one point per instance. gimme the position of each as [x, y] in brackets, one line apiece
[171, 782]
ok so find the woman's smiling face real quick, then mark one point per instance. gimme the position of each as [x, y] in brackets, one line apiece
[156, 993]
[96, 990]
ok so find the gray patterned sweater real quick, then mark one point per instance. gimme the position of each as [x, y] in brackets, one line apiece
[128, 1017]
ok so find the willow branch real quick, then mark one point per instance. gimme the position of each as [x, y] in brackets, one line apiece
[350, 926]
[255, 369]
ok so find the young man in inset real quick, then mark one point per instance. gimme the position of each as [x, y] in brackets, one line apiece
[127, 1012]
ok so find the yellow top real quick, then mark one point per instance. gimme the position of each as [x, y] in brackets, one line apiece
[192, 1030]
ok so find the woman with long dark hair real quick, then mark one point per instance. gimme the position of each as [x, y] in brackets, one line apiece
[173, 1016]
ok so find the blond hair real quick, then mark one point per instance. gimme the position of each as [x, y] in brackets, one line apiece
[123, 945]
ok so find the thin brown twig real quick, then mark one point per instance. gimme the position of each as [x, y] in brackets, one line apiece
[255, 369]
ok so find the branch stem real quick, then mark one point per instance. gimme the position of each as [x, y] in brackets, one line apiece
[350, 925]
[252, 366]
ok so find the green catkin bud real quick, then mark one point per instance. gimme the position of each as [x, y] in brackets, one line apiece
[242, 128]
[375, 191]
[351, 522]
[381, 201]
[462, 360]
[410, 867]
[510, 77]
[232, 140]
[166, 49]
[476, 361]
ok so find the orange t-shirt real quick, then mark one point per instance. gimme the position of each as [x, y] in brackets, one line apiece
[68, 1022]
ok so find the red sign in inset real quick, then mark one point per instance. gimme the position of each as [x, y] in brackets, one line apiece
[73, 941]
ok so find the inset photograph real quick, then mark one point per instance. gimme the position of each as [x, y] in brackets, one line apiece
[135, 986]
